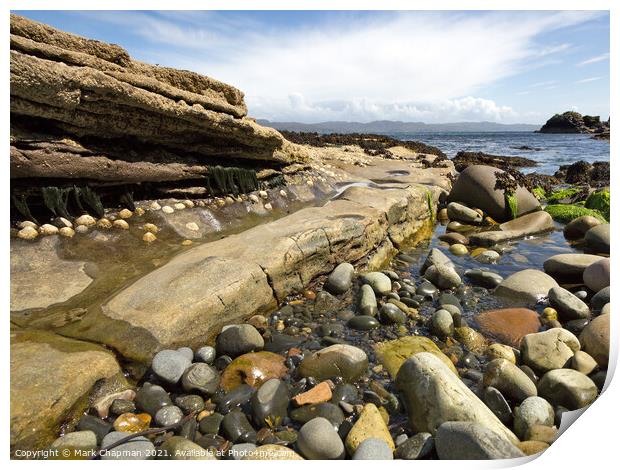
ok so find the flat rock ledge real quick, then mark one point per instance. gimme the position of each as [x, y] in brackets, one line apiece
[51, 378]
[188, 300]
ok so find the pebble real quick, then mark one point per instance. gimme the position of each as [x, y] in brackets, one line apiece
[190, 403]
[200, 377]
[370, 424]
[567, 304]
[94, 424]
[237, 428]
[380, 283]
[125, 214]
[87, 220]
[149, 237]
[568, 388]
[462, 213]
[235, 340]
[483, 278]
[169, 365]
[532, 411]
[488, 257]
[270, 402]
[179, 206]
[501, 351]
[497, 403]
[321, 393]
[193, 226]
[66, 232]
[180, 448]
[458, 249]
[443, 276]
[340, 279]
[120, 406]
[28, 233]
[104, 224]
[205, 354]
[167, 210]
[81, 441]
[551, 349]
[150, 228]
[120, 224]
[363, 323]
[472, 441]
[416, 447]
[373, 449]
[168, 415]
[138, 448]
[317, 440]
[442, 323]
[595, 339]
[81, 229]
[154, 206]
[342, 360]
[391, 314]
[48, 229]
[151, 398]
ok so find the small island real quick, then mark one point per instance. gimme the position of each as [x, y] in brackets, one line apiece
[571, 122]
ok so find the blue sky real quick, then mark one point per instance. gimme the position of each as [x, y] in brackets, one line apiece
[363, 66]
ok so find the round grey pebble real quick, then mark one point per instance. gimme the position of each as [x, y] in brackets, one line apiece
[205, 354]
[187, 352]
[138, 448]
[168, 415]
[373, 449]
[318, 440]
[169, 365]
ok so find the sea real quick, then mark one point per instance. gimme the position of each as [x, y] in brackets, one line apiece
[549, 150]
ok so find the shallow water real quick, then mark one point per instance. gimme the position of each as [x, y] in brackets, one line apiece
[550, 150]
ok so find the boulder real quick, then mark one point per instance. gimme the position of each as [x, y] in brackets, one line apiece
[525, 287]
[436, 257]
[434, 395]
[472, 441]
[596, 275]
[50, 375]
[443, 276]
[548, 350]
[521, 227]
[595, 339]
[475, 187]
[598, 238]
[509, 325]
[511, 381]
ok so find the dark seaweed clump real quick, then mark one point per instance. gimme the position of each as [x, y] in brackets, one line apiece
[464, 159]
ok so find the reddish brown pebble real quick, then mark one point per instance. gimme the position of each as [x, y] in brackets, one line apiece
[319, 394]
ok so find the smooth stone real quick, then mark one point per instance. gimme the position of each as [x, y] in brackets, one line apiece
[130, 422]
[471, 339]
[501, 351]
[253, 369]
[94, 424]
[120, 406]
[462, 213]
[363, 323]
[151, 398]
[169, 365]
[416, 447]
[340, 279]
[433, 395]
[426, 289]
[138, 448]
[339, 360]
[532, 411]
[443, 276]
[442, 323]
[473, 441]
[532, 447]
[488, 257]
[497, 403]
[205, 354]
[391, 314]
[239, 396]
[454, 237]
[475, 187]
[329, 411]
[568, 388]
[392, 354]
[211, 424]
[436, 257]
[187, 352]
[368, 301]
[583, 362]
[569, 266]
[370, 424]
[344, 392]
[567, 304]
[270, 402]
[180, 448]
[529, 286]
[200, 377]
[598, 238]
[487, 279]
[76, 442]
[237, 428]
[168, 415]
[511, 381]
[600, 299]
[273, 452]
[458, 249]
[521, 227]
[595, 339]
[380, 283]
[190, 403]
[541, 433]
[577, 228]
[236, 340]
[317, 440]
[508, 325]
[606, 310]
[551, 349]
[596, 276]
[373, 449]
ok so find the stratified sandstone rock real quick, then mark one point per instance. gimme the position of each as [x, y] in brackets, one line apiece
[51, 377]
[84, 109]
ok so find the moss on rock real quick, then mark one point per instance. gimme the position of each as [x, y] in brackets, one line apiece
[557, 196]
[566, 212]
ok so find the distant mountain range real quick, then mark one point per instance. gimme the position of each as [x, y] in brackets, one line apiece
[394, 127]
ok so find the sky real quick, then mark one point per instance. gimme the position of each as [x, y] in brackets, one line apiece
[444, 66]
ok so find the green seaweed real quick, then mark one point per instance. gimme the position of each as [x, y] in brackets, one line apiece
[93, 201]
[56, 200]
[566, 212]
[600, 201]
[561, 194]
[539, 193]
[511, 204]
[429, 203]
[77, 198]
[21, 204]
[231, 180]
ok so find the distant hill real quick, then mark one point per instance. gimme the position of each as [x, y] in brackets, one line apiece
[393, 127]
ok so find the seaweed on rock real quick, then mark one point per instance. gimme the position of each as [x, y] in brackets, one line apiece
[21, 204]
[93, 201]
[231, 180]
[56, 200]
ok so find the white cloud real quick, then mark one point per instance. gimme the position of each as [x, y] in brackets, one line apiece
[594, 60]
[396, 65]
[588, 80]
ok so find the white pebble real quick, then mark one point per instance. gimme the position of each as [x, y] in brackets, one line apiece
[121, 224]
[67, 232]
[263, 194]
[283, 193]
[151, 228]
[167, 210]
[254, 198]
[268, 206]
[149, 237]
[85, 220]
[188, 203]
[48, 229]
[27, 223]
[192, 226]
[179, 206]
[154, 206]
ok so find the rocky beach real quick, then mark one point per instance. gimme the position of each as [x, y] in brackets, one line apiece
[188, 284]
